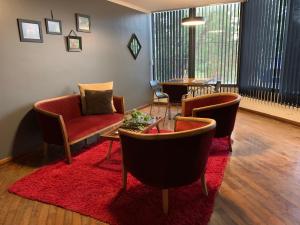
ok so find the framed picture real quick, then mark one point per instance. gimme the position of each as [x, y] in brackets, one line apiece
[83, 23]
[30, 31]
[53, 26]
[74, 44]
[134, 46]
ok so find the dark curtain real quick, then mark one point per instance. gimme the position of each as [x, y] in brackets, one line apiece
[269, 60]
[290, 82]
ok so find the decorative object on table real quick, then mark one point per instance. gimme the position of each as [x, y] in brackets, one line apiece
[83, 23]
[134, 46]
[74, 42]
[137, 121]
[30, 31]
[53, 26]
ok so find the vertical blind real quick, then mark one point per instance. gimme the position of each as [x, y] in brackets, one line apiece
[270, 53]
[170, 44]
[290, 81]
[216, 44]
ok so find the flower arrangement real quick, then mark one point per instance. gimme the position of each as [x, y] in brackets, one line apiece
[137, 121]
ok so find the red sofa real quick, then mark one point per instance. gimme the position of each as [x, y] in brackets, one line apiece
[62, 122]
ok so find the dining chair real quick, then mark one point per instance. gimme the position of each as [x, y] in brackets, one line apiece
[158, 94]
[176, 94]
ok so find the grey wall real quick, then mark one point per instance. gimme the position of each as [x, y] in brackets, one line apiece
[33, 71]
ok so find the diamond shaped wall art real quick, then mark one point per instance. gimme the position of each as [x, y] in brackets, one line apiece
[134, 46]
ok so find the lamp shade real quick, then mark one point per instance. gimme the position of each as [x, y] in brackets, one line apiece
[193, 21]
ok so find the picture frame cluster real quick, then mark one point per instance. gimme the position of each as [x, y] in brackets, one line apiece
[31, 30]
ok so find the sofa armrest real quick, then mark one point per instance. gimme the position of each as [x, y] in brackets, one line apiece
[119, 104]
[52, 126]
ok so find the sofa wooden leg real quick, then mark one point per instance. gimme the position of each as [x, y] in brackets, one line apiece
[45, 149]
[124, 178]
[68, 153]
[165, 200]
[203, 185]
[109, 150]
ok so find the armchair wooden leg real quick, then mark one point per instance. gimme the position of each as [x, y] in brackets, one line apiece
[68, 153]
[124, 178]
[165, 200]
[230, 143]
[203, 185]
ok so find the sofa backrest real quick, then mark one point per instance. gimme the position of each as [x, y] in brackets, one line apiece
[68, 106]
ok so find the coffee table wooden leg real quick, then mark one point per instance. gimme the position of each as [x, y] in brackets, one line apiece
[109, 150]
[157, 127]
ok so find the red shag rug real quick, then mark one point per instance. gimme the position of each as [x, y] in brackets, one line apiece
[91, 185]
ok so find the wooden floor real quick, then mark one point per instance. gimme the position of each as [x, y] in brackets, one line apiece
[261, 183]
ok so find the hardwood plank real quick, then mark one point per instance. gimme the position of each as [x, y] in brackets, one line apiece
[261, 182]
[76, 219]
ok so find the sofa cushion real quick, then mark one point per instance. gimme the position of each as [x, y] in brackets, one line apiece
[85, 125]
[94, 87]
[98, 102]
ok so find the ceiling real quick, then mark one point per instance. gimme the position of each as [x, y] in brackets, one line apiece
[161, 5]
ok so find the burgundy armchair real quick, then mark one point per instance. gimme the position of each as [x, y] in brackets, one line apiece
[62, 122]
[221, 107]
[168, 160]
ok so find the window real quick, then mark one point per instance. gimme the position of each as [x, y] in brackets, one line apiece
[216, 44]
[170, 44]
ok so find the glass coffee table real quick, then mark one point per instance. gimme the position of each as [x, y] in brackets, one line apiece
[113, 134]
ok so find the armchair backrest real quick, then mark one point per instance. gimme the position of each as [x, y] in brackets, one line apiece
[221, 107]
[167, 160]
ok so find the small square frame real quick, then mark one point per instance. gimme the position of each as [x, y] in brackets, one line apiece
[51, 32]
[21, 32]
[77, 16]
[74, 49]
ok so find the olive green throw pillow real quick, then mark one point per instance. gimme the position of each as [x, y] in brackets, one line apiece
[98, 102]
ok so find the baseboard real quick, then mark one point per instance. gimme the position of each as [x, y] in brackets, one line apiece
[270, 116]
[137, 108]
[5, 160]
